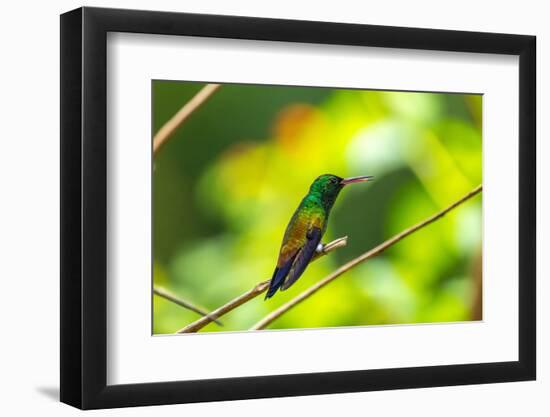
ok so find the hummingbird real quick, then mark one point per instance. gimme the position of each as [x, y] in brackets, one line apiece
[307, 226]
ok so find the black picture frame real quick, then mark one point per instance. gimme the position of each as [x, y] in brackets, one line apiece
[84, 207]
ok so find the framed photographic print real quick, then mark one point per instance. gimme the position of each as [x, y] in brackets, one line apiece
[257, 208]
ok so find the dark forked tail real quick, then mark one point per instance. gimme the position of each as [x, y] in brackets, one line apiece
[279, 277]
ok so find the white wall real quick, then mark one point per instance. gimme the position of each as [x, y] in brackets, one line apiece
[29, 224]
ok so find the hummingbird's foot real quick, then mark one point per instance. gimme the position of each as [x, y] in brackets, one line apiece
[320, 248]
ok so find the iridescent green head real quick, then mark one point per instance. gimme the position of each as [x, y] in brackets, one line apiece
[328, 186]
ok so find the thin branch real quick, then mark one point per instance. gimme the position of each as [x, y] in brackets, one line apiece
[252, 293]
[161, 292]
[262, 324]
[226, 308]
[168, 129]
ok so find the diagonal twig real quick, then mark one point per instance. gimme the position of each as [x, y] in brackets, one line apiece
[262, 324]
[161, 292]
[168, 129]
[252, 293]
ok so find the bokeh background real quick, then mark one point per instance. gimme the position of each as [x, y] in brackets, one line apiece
[227, 183]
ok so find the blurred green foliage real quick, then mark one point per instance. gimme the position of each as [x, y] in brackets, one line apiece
[226, 185]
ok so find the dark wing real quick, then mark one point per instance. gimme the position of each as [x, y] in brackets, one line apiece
[302, 258]
[279, 276]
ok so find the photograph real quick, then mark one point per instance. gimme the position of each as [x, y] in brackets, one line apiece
[294, 207]
[266, 206]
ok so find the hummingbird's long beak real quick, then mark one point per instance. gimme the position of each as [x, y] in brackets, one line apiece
[351, 180]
